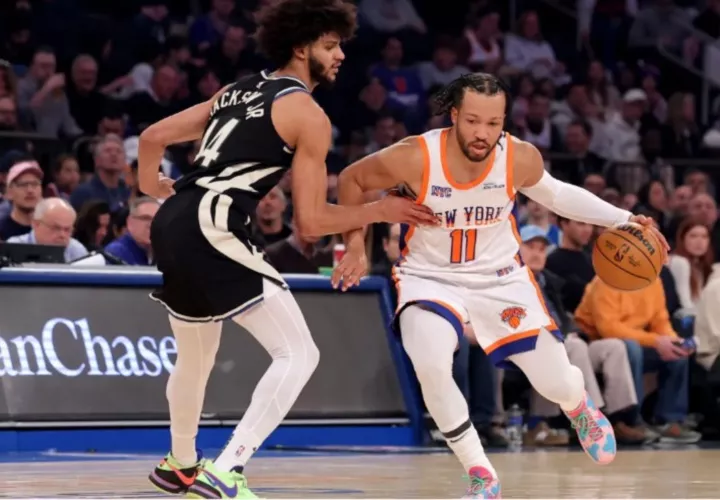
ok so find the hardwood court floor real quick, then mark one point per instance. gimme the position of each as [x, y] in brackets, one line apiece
[692, 473]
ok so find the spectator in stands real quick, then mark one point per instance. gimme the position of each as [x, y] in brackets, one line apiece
[574, 108]
[681, 136]
[403, 84]
[209, 28]
[608, 356]
[391, 16]
[604, 23]
[698, 181]
[702, 207]
[24, 191]
[8, 80]
[482, 39]
[538, 129]
[133, 248]
[86, 102]
[233, 55]
[623, 129]
[107, 183]
[93, 224]
[111, 121]
[595, 183]
[385, 133]
[157, 102]
[691, 263]
[652, 200]
[600, 89]
[9, 121]
[66, 176]
[52, 224]
[41, 94]
[269, 215]
[444, 67]
[151, 23]
[539, 215]
[660, 21]
[657, 105]
[299, 254]
[707, 331]
[641, 319]
[571, 261]
[708, 21]
[527, 51]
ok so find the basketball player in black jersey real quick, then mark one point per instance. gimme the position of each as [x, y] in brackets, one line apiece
[252, 132]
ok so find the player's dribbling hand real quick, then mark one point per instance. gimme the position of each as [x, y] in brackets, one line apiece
[649, 223]
[405, 211]
[352, 267]
[163, 189]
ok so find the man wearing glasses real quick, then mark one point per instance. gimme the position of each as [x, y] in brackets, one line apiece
[133, 248]
[24, 191]
[52, 224]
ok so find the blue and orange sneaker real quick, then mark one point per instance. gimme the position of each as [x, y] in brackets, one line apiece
[171, 477]
[482, 484]
[594, 431]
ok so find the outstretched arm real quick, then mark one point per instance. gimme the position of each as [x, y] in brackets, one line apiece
[568, 200]
[316, 217]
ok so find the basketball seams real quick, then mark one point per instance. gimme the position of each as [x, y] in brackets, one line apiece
[620, 268]
[641, 250]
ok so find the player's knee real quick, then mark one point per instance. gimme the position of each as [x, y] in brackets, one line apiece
[565, 386]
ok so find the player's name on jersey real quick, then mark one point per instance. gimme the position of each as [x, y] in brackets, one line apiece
[235, 98]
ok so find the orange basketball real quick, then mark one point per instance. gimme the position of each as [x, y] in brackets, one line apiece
[627, 257]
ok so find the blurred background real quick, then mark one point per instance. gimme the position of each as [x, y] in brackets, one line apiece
[620, 96]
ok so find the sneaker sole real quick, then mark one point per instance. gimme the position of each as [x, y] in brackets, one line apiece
[162, 488]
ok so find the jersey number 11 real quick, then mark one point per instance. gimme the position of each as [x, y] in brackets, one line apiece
[462, 245]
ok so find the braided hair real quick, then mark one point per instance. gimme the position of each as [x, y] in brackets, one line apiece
[452, 94]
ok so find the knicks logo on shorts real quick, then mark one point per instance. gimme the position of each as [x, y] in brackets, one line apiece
[513, 316]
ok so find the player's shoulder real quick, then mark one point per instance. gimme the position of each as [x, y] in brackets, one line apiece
[524, 153]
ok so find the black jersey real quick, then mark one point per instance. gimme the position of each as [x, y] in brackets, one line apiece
[242, 155]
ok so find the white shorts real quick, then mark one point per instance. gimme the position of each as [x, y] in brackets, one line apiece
[506, 312]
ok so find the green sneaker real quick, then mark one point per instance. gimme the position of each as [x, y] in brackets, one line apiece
[214, 483]
[170, 476]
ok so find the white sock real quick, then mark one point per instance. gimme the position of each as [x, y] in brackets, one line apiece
[430, 342]
[278, 325]
[197, 345]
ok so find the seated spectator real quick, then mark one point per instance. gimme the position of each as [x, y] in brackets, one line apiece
[537, 129]
[93, 224]
[233, 55]
[691, 263]
[581, 161]
[681, 135]
[157, 102]
[86, 101]
[299, 254]
[107, 183]
[608, 356]
[600, 89]
[391, 17]
[24, 191]
[539, 215]
[482, 40]
[52, 224]
[662, 21]
[444, 67]
[405, 90]
[652, 201]
[133, 248]
[702, 207]
[641, 319]
[270, 217]
[528, 52]
[41, 94]
[209, 28]
[66, 176]
[571, 261]
[707, 329]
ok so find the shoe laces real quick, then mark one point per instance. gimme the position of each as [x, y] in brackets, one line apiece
[586, 426]
[477, 484]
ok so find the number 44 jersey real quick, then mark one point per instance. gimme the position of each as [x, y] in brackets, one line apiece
[241, 155]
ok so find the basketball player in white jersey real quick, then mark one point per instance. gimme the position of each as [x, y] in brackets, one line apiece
[468, 270]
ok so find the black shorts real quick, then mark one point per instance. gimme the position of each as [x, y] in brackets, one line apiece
[211, 270]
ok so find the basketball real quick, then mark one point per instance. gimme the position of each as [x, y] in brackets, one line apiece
[627, 257]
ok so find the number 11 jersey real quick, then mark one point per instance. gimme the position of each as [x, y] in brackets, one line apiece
[479, 236]
[241, 154]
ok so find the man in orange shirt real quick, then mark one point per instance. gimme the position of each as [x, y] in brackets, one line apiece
[641, 319]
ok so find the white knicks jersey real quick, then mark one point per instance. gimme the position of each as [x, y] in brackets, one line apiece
[478, 237]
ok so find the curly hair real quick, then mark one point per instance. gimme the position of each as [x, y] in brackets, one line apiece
[452, 94]
[284, 25]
